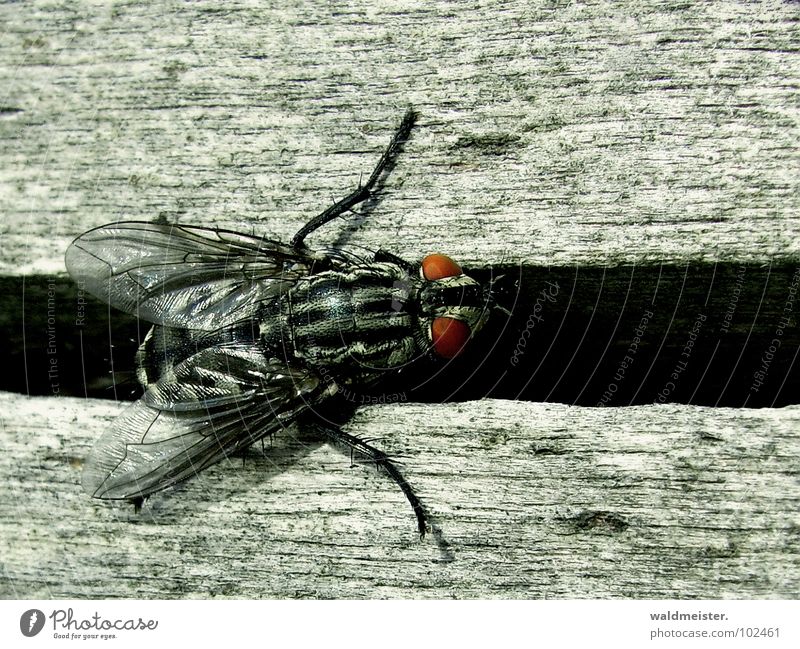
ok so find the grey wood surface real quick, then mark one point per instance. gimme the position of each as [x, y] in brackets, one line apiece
[551, 133]
[531, 500]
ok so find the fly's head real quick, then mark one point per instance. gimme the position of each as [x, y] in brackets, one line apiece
[452, 307]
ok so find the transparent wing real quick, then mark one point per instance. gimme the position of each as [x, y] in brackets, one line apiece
[217, 402]
[183, 276]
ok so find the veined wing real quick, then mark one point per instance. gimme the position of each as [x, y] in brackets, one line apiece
[183, 276]
[218, 401]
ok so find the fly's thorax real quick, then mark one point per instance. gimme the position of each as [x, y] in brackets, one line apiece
[363, 320]
[353, 320]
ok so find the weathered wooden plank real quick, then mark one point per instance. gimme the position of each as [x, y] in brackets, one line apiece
[551, 133]
[532, 500]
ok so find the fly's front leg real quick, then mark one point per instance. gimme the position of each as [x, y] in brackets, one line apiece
[364, 191]
[383, 255]
[380, 459]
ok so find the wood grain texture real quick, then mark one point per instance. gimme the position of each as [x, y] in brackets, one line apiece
[553, 133]
[563, 134]
[532, 500]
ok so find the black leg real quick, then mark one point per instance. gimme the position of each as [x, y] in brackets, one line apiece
[363, 192]
[338, 436]
[383, 255]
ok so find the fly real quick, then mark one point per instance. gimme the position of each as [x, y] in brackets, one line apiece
[250, 335]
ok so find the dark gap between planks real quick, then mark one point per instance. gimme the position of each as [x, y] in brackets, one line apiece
[704, 334]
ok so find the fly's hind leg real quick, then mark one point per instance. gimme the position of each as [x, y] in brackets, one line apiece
[381, 460]
[137, 503]
[364, 191]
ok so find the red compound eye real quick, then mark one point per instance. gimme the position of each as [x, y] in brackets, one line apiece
[439, 266]
[449, 336]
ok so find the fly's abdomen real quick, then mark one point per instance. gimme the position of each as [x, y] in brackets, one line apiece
[164, 348]
[352, 320]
